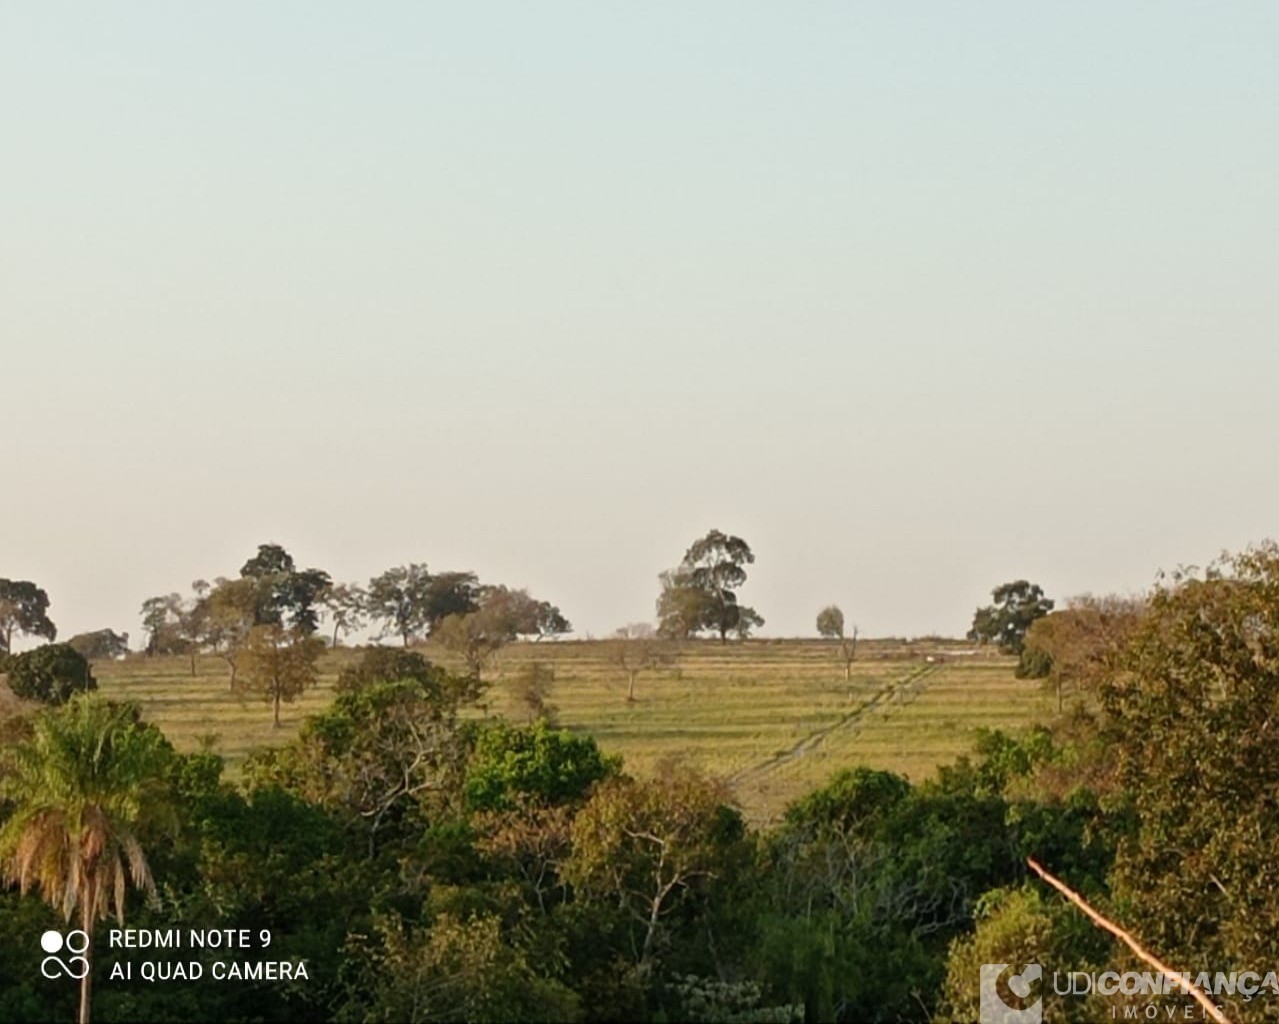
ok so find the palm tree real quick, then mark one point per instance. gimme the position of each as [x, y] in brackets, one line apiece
[81, 787]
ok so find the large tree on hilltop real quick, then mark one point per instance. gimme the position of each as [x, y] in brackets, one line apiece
[701, 593]
[398, 600]
[1016, 606]
[24, 608]
[287, 595]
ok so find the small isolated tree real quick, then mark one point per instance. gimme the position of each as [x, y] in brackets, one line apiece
[475, 637]
[1005, 622]
[830, 624]
[532, 690]
[100, 645]
[279, 664]
[51, 674]
[637, 648]
[24, 609]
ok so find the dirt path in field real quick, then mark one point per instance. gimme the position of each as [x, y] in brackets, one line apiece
[906, 688]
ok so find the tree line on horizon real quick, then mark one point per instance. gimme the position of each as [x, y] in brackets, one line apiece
[264, 623]
[432, 865]
[410, 602]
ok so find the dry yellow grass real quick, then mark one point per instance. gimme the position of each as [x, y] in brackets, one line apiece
[775, 717]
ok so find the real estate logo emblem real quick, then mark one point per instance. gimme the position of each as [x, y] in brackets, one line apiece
[1010, 1003]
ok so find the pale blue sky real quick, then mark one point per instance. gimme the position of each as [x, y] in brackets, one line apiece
[916, 298]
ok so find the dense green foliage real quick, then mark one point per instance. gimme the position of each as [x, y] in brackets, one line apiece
[388, 665]
[50, 674]
[1005, 622]
[24, 610]
[427, 863]
[537, 763]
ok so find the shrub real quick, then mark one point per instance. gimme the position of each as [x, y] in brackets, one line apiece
[51, 674]
[387, 665]
[1035, 663]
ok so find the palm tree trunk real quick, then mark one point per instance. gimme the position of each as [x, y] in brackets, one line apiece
[86, 983]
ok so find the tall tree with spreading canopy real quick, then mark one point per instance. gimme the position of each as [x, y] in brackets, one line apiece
[24, 609]
[82, 786]
[1016, 606]
[701, 593]
[286, 595]
[450, 593]
[398, 600]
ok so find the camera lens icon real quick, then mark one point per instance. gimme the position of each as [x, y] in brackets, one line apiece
[76, 942]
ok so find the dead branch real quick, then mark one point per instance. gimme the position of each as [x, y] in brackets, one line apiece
[1126, 938]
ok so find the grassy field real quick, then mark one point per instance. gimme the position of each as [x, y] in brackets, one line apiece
[773, 716]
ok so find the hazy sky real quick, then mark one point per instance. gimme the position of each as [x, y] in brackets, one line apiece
[915, 297]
